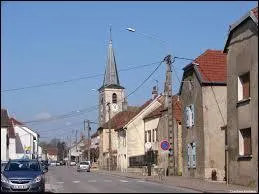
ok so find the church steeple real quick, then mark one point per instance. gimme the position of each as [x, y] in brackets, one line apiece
[111, 77]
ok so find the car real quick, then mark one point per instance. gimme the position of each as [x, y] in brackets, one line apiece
[44, 165]
[53, 163]
[72, 163]
[57, 163]
[23, 175]
[3, 163]
[84, 166]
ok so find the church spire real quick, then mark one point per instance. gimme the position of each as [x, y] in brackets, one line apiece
[111, 77]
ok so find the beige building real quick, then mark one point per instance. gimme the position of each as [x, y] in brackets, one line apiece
[203, 94]
[242, 103]
[159, 116]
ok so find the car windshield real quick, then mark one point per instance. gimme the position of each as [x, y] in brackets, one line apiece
[22, 166]
[84, 163]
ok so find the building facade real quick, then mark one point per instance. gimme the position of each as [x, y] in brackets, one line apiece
[242, 104]
[203, 94]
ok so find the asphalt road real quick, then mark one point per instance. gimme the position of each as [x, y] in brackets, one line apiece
[67, 180]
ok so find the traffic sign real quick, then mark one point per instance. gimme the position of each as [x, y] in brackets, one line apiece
[165, 145]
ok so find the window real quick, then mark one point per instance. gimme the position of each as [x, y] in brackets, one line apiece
[245, 144]
[156, 135]
[191, 155]
[114, 98]
[189, 115]
[153, 135]
[244, 86]
[145, 136]
[149, 136]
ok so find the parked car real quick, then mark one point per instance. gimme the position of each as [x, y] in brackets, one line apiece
[84, 166]
[53, 163]
[57, 163]
[3, 163]
[23, 175]
[72, 163]
[44, 165]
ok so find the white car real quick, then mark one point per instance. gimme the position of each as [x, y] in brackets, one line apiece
[84, 166]
[72, 163]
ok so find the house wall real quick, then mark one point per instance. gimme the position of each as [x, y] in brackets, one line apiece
[26, 139]
[192, 94]
[4, 149]
[135, 132]
[150, 124]
[242, 57]
[12, 148]
[122, 151]
[214, 117]
[177, 149]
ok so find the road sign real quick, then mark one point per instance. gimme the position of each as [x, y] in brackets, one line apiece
[165, 145]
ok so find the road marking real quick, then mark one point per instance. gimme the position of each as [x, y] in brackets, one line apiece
[76, 181]
[107, 180]
[90, 181]
[124, 181]
[59, 182]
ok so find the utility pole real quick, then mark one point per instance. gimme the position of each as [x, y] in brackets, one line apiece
[89, 129]
[110, 139]
[169, 106]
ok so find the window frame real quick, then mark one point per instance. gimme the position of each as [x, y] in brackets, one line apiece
[242, 147]
[241, 89]
[114, 98]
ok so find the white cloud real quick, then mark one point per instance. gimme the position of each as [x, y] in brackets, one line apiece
[43, 115]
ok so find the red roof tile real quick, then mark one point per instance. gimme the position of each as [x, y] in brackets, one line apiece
[122, 118]
[177, 110]
[212, 66]
[52, 151]
[255, 11]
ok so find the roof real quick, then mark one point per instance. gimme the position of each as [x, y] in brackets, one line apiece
[95, 134]
[4, 118]
[52, 151]
[252, 14]
[16, 122]
[177, 110]
[122, 118]
[10, 129]
[210, 68]
[111, 77]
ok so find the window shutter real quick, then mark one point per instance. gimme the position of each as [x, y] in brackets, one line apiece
[246, 86]
[193, 155]
[187, 118]
[192, 114]
[188, 155]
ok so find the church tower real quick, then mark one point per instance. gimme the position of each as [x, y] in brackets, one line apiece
[111, 91]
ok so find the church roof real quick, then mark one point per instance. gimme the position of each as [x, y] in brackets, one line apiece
[111, 78]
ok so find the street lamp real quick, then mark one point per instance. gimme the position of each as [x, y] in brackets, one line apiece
[151, 37]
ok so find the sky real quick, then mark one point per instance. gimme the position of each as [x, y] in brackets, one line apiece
[50, 42]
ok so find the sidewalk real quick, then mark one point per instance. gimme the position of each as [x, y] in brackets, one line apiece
[188, 183]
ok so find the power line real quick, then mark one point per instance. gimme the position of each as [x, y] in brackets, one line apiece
[72, 80]
[79, 112]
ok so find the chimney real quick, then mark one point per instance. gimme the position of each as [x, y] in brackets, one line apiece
[154, 92]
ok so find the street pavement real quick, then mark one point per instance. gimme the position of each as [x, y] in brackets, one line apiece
[65, 179]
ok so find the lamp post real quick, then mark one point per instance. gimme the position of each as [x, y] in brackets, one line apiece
[168, 101]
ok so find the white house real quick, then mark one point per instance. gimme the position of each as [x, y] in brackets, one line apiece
[26, 141]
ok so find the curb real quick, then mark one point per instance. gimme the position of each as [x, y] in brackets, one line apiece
[165, 181]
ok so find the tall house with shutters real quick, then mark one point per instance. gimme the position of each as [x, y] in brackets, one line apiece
[203, 93]
[242, 104]
[111, 91]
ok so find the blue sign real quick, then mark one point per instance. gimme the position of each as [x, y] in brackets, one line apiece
[165, 145]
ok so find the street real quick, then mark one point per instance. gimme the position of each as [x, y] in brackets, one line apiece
[66, 179]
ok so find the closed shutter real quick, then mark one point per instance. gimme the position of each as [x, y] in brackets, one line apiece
[246, 133]
[192, 114]
[193, 155]
[188, 155]
[246, 85]
[187, 118]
